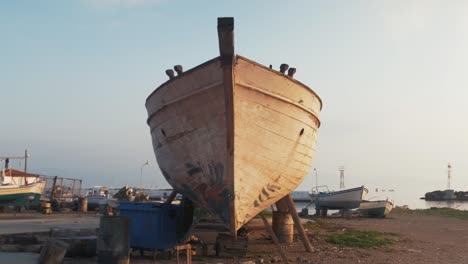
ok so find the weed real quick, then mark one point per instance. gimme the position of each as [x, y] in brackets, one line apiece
[447, 212]
[361, 239]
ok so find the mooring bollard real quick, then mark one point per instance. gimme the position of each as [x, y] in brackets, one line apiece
[113, 241]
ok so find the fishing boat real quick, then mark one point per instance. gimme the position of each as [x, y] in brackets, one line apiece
[340, 200]
[99, 197]
[20, 189]
[378, 209]
[232, 135]
[161, 194]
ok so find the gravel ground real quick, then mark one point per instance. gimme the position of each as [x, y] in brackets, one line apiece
[417, 239]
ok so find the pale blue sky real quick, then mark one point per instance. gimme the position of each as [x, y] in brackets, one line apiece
[74, 76]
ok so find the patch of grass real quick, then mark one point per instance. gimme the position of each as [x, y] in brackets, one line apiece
[314, 223]
[447, 212]
[360, 239]
[267, 213]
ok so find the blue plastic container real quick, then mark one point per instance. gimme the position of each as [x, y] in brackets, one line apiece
[152, 225]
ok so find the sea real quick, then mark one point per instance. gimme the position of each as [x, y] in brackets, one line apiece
[409, 199]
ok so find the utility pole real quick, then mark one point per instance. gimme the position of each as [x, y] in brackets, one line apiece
[26, 155]
[316, 181]
[341, 169]
[141, 173]
[449, 176]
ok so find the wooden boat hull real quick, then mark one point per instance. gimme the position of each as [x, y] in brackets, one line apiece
[234, 138]
[345, 199]
[22, 195]
[378, 209]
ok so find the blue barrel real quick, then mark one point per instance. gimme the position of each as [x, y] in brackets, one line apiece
[152, 225]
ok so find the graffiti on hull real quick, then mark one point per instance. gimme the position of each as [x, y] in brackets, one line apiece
[205, 184]
[268, 192]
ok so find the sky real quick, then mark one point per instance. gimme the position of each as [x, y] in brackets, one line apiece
[74, 77]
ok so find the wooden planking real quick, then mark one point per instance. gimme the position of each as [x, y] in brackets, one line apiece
[210, 99]
[214, 122]
[261, 77]
[289, 103]
[204, 142]
[272, 157]
[280, 110]
[191, 152]
[206, 75]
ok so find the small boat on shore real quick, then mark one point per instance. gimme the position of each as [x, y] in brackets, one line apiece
[301, 196]
[378, 209]
[99, 197]
[232, 135]
[18, 188]
[339, 200]
[161, 194]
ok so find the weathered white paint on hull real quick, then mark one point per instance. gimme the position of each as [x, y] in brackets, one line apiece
[345, 199]
[188, 130]
[274, 133]
[376, 204]
[379, 208]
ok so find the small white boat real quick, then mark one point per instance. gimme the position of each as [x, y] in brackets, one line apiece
[99, 197]
[301, 196]
[344, 199]
[161, 194]
[378, 209]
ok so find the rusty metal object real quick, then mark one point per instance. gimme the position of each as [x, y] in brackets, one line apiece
[283, 68]
[170, 73]
[83, 204]
[179, 69]
[291, 72]
[283, 226]
[188, 253]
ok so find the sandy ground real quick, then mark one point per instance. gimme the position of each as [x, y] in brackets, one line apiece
[418, 239]
[421, 239]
